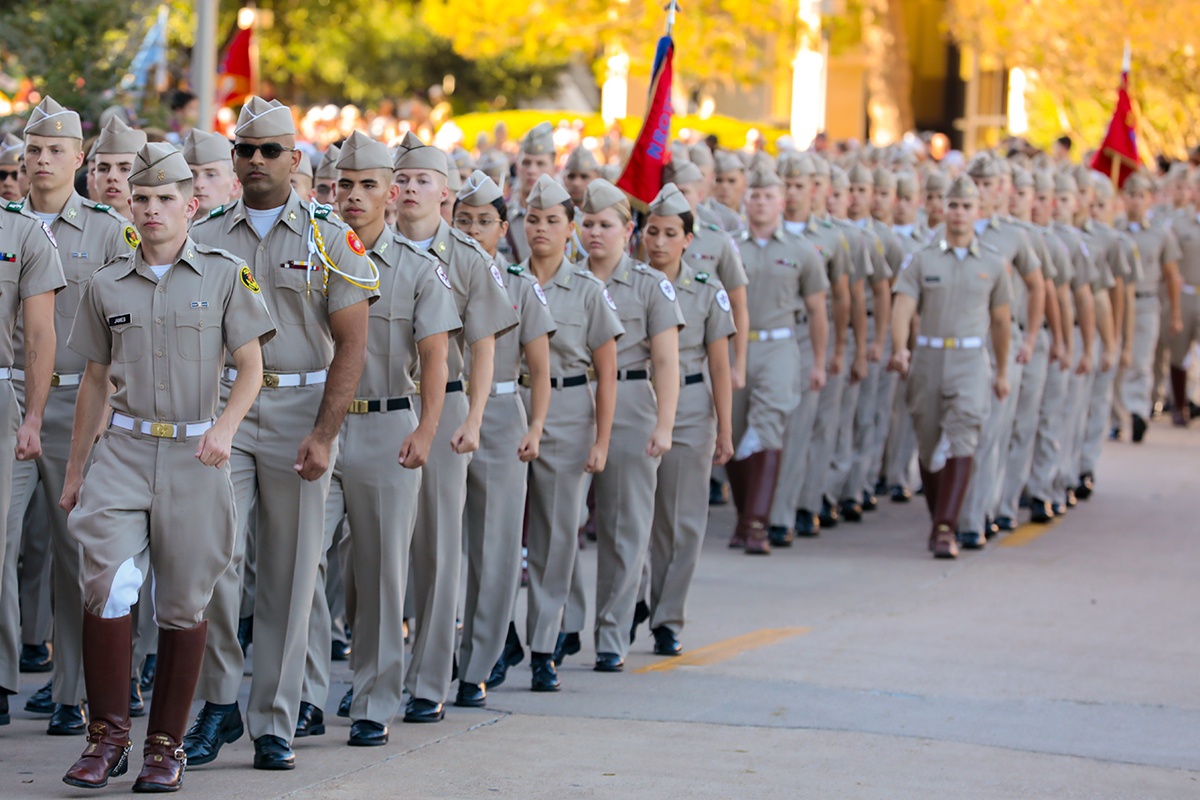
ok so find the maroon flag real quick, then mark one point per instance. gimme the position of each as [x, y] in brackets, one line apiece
[1118, 155]
[642, 177]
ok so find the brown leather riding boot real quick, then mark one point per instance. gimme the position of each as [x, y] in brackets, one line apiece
[736, 472]
[1180, 410]
[107, 660]
[760, 491]
[952, 491]
[180, 654]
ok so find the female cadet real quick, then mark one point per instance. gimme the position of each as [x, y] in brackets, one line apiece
[703, 433]
[495, 480]
[647, 394]
[578, 424]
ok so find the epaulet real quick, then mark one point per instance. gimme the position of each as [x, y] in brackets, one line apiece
[217, 251]
[990, 248]
[323, 211]
[117, 259]
[14, 207]
[516, 269]
[216, 212]
[464, 238]
[99, 207]
[702, 277]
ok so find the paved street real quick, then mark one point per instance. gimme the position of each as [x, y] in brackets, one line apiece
[1062, 663]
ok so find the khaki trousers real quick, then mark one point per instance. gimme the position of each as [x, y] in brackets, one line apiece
[1019, 458]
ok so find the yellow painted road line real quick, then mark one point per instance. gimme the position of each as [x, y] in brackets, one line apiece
[723, 651]
[1028, 532]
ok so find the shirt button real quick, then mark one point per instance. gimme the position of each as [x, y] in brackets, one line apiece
[160, 353]
[261, 248]
[158, 320]
[162, 386]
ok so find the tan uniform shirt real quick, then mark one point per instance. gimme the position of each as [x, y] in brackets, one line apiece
[713, 251]
[529, 302]
[865, 255]
[513, 248]
[783, 271]
[704, 304]
[294, 282]
[1116, 252]
[479, 292]
[88, 235]
[585, 315]
[1083, 268]
[833, 246]
[29, 266]
[646, 305]
[721, 215]
[1010, 239]
[1099, 250]
[954, 297]
[415, 302]
[1186, 228]
[1158, 247]
[166, 339]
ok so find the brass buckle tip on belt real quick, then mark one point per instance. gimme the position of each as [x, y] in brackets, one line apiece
[55, 379]
[270, 380]
[359, 406]
[162, 430]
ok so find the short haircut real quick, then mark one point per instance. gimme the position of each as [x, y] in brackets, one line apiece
[180, 99]
[1065, 141]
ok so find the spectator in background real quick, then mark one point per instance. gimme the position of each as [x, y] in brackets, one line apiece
[1060, 151]
[185, 107]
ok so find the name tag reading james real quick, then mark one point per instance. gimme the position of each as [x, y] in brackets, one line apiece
[119, 319]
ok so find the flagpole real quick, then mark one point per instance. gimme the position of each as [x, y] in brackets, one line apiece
[672, 6]
[204, 62]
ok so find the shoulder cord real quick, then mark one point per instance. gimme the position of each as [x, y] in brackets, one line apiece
[316, 247]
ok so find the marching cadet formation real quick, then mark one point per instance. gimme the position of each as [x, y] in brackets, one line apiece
[252, 402]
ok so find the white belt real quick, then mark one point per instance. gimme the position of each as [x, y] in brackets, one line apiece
[56, 379]
[1188, 288]
[162, 430]
[504, 387]
[7, 373]
[272, 380]
[772, 334]
[969, 343]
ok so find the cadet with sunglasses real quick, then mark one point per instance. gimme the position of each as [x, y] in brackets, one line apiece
[283, 451]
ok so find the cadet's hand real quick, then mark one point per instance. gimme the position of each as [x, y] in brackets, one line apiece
[899, 362]
[816, 379]
[859, 369]
[313, 459]
[530, 447]
[737, 376]
[414, 452]
[724, 450]
[874, 352]
[1001, 386]
[1025, 353]
[465, 439]
[597, 458]
[70, 492]
[1108, 359]
[836, 363]
[29, 441]
[660, 442]
[1126, 359]
[1056, 352]
[1085, 364]
[1176, 325]
[215, 446]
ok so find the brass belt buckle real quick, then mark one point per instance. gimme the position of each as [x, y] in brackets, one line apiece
[54, 379]
[359, 406]
[162, 430]
[951, 344]
[270, 380]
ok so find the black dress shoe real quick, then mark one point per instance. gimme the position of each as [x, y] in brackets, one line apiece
[214, 726]
[869, 502]
[149, 670]
[545, 676]
[67, 721]
[1059, 509]
[851, 511]
[971, 540]
[419, 710]
[1006, 524]
[137, 706]
[339, 651]
[1139, 427]
[36, 658]
[780, 536]
[666, 643]
[568, 645]
[990, 528]
[272, 752]
[344, 704]
[41, 701]
[1072, 499]
[609, 662]
[471, 695]
[366, 733]
[901, 494]
[513, 654]
[245, 634]
[1087, 485]
[5, 717]
[641, 613]
[310, 721]
[1040, 511]
[807, 524]
[716, 493]
[829, 514]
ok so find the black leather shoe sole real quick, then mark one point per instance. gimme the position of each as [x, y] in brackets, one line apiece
[425, 713]
[41, 702]
[609, 662]
[470, 696]
[227, 734]
[66, 721]
[273, 755]
[365, 733]
[971, 540]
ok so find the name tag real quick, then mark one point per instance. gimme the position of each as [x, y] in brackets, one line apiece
[933, 279]
[120, 319]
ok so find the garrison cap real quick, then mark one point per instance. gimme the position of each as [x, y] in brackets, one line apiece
[1064, 182]
[461, 158]
[262, 119]
[453, 179]
[539, 140]
[548, 193]
[795, 165]
[51, 119]
[159, 164]
[601, 194]
[359, 152]
[963, 188]
[409, 142]
[1021, 179]
[305, 166]
[582, 160]
[201, 147]
[728, 162]
[678, 172]
[760, 178]
[423, 157]
[860, 174]
[700, 155]
[937, 181]
[479, 190]
[670, 202]
[884, 179]
[1043, 180]
[1138, 182]
[983, 165]
[119, 138]
[906, 184]
[11, 149]
[327, 169]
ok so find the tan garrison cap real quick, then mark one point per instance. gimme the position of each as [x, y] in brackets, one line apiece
[305, 166]
[409, 142]
[1138, 182]
[906, 184]
[11, 149]
[1021, 179]
[1065, 182]
[359, 152]
[936, 181]
[983, 165]
[461, 158]
[51, 119]
[539, 141]
[423, 157]
[670, 202]
[796, 165]
[821, 166]
[479, 190]
[701, 156]
[1043, 180]
[159, 164]
[762, 160]
[119, 138]
[582, 160]
[201, 147]
[762, 178]
[601, 194]
[860, 174]
[963, 188]
[678, 172]
[884, 179]
[548, 193]
[327, 169]
[838, 179]
[728, 162]
[453, 179]
[262, 119]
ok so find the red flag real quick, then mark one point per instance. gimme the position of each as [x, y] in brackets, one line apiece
[642, 177]
[235, 75]
[1118, 155]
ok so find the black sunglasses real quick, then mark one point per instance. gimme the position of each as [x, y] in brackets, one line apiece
[5, 175]
[270, 150]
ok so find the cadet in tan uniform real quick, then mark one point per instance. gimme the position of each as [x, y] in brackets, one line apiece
[709, 209]
[88, 235]
[210, 156]
[729, 185]
[647, 395]
[787, 282]
[703, 433]
[1186, 228]
[31, 277]
[579, 170]
[302, 179]
[11, 150]
[114, 152]
[509, 438]
[284, 450]
[486, 311]
[578, 424]
[156, 323]
[960, 289]
[1160, 269]
[325, 176]
[535, 159]
[383, 444]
